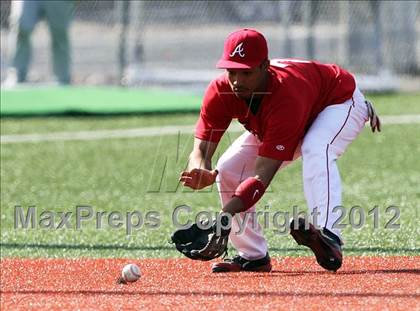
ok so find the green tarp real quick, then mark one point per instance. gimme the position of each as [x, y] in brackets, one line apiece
[88, 100]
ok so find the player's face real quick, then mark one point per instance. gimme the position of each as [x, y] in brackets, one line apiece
[244, 82]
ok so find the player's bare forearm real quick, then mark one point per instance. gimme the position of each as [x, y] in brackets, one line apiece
[265, 170]
[199, 173]
[196, 160]
[234, 206]
[202, 154]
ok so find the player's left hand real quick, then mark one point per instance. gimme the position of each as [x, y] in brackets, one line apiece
[198, 178]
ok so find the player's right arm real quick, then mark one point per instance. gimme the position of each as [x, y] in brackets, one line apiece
[213, 121]
[199, 173]
[201, 154]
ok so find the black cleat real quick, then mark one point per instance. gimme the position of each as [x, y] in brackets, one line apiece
[325, 244]
[239, 263]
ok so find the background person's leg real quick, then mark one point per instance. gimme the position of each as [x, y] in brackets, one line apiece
[24, 16]
[58, 15]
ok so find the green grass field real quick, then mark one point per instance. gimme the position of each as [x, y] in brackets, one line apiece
[140, 174]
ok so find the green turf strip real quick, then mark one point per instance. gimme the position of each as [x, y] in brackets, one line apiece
[79, 100]
[114, 101]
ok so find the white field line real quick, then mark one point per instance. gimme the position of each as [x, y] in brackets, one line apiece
[150, 131]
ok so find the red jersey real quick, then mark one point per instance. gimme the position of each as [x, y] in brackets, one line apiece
[297, 92]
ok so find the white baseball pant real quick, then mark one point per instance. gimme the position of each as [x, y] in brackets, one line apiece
[327, 138]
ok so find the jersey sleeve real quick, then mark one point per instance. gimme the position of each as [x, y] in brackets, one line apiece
[214, 118]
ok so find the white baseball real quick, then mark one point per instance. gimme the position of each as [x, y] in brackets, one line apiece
[130, 273]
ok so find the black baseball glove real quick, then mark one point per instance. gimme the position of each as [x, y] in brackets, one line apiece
[202, 244]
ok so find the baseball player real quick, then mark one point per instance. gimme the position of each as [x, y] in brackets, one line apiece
[290, 109]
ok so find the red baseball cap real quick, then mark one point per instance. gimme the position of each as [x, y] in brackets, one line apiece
[244, 49]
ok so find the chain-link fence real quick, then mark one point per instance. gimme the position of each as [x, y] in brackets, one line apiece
[144, 41]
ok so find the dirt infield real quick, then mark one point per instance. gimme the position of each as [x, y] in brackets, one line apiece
[372, 283]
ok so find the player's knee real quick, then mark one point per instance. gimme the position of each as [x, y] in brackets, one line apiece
[224, 167]
[313, 156]
[313, 150]
[228, 172]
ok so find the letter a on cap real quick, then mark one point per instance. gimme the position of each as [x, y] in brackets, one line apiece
[239, 50]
